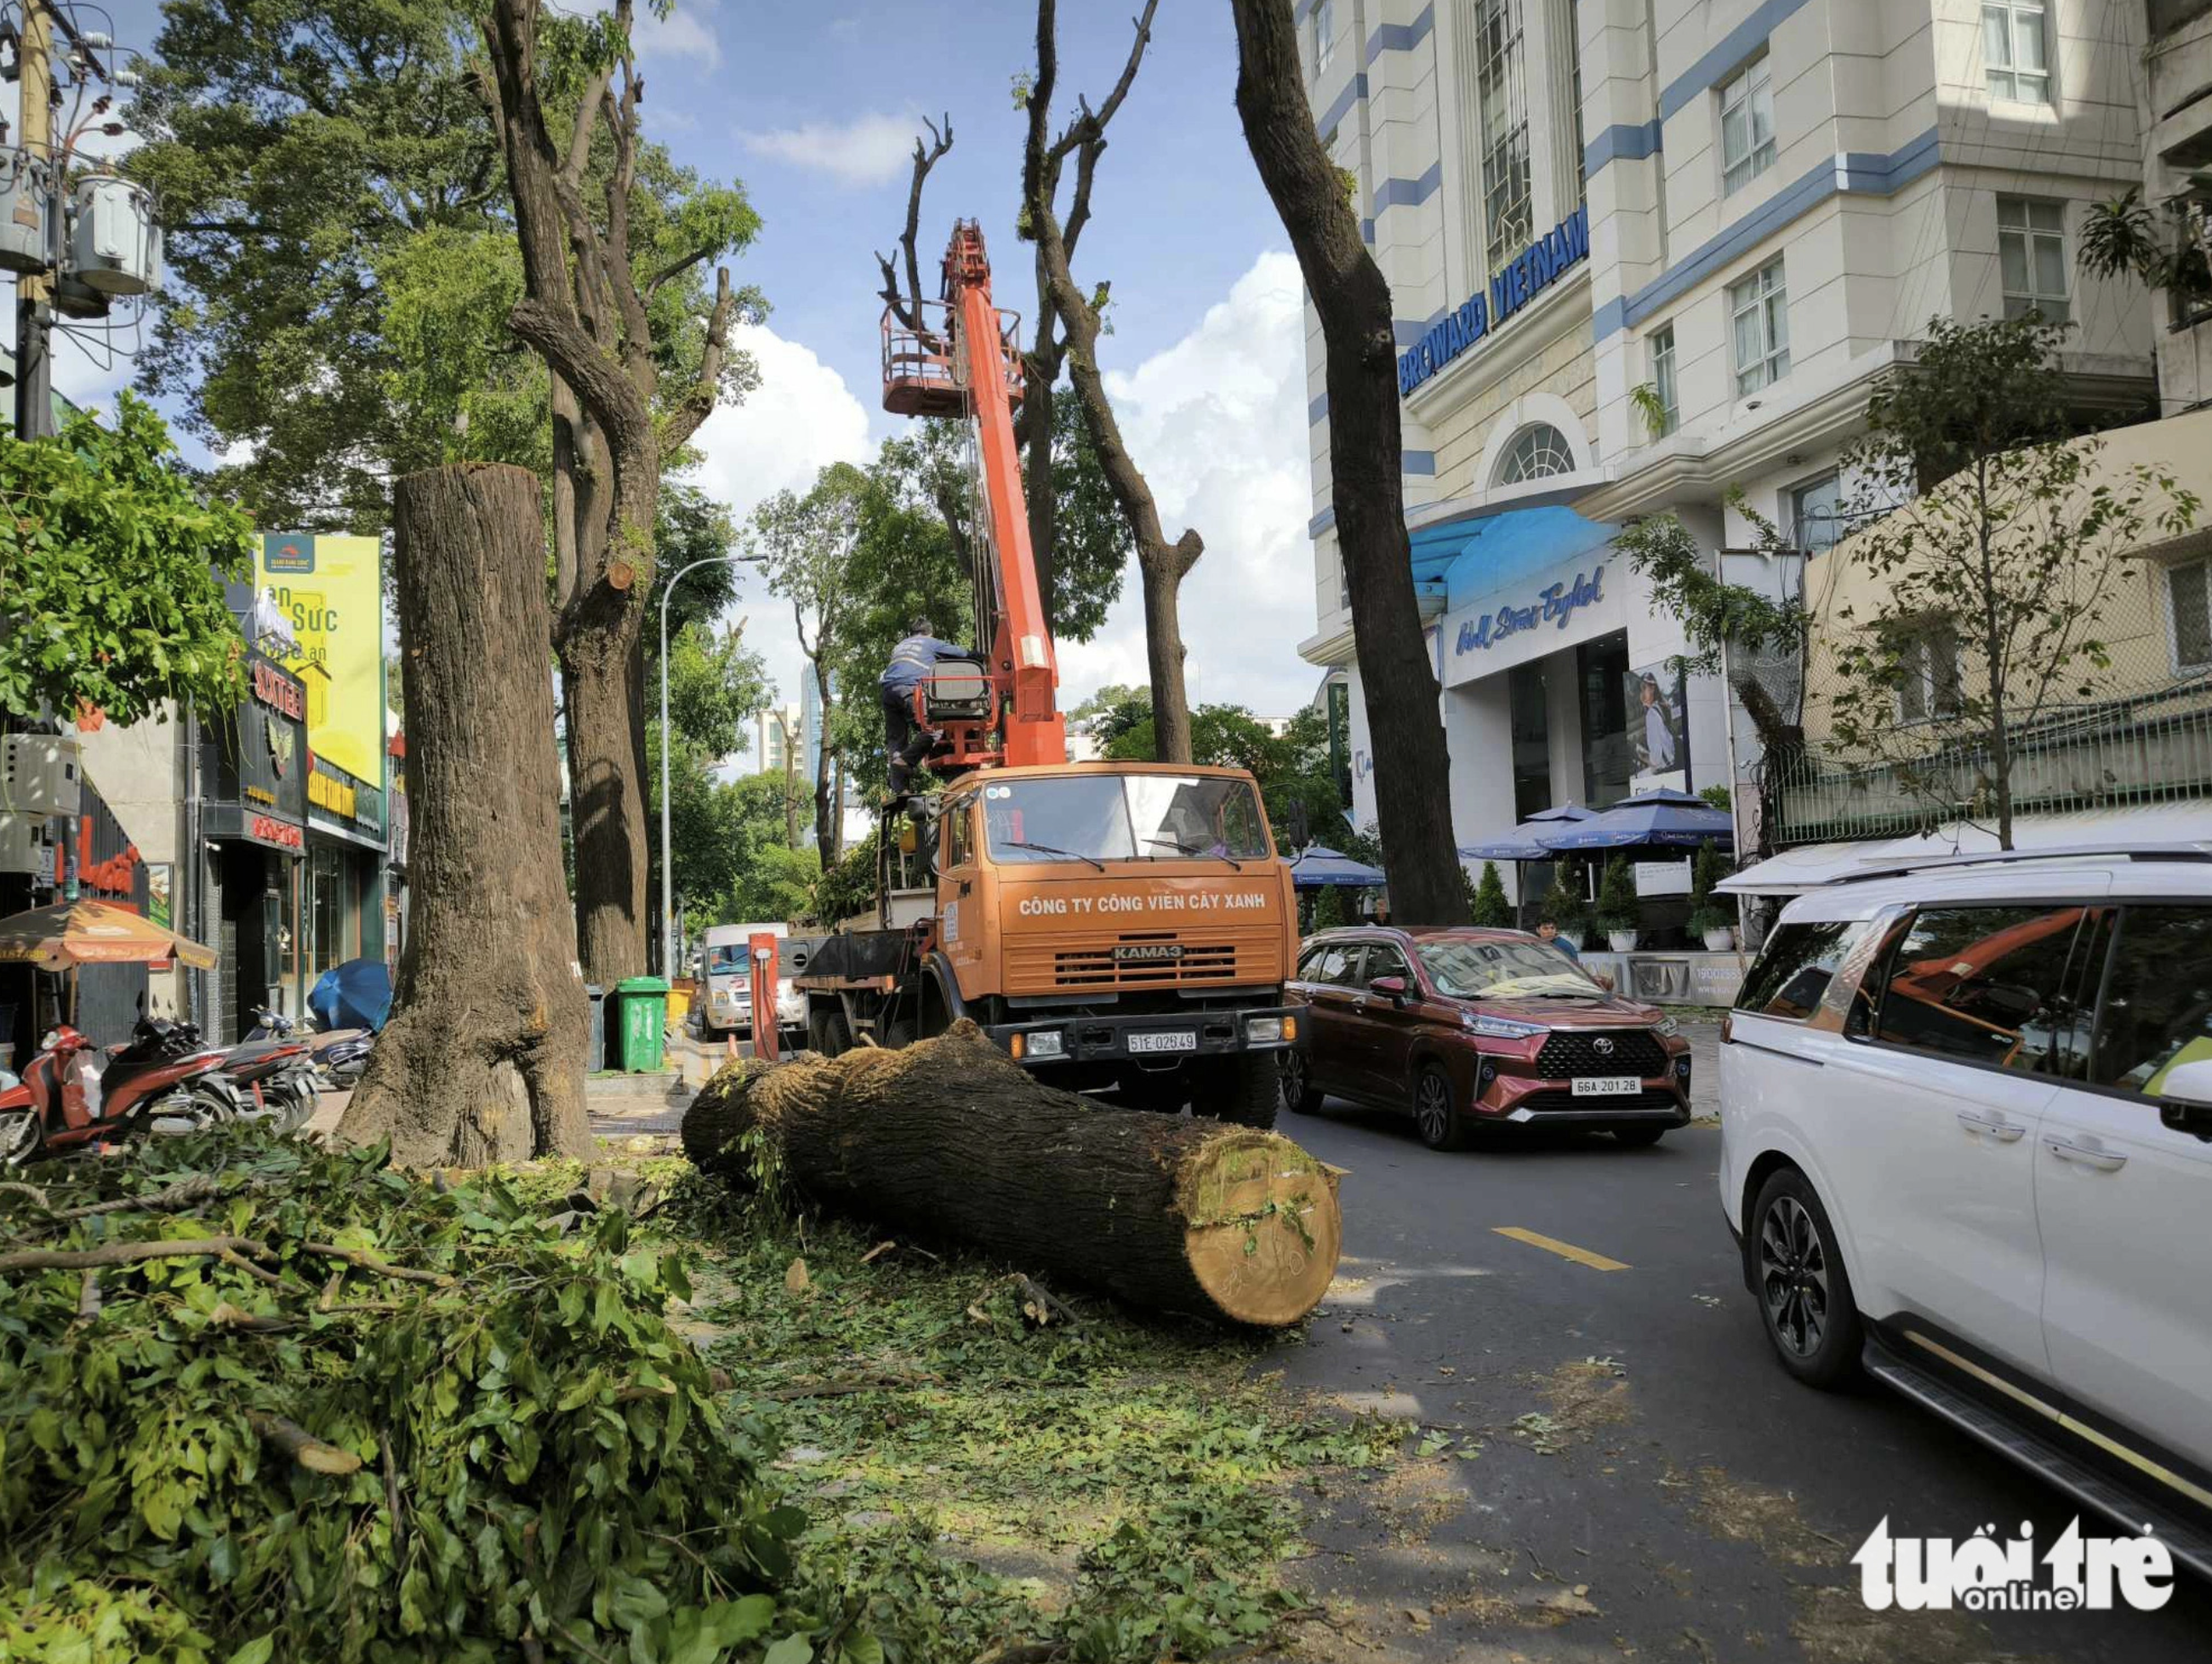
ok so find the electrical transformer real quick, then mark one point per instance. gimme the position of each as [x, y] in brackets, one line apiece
[114, 244]
[25, 205]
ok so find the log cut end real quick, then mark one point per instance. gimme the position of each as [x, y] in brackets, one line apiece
[1261, 1230]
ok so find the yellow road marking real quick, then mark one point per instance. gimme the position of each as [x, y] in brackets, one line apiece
[1564, 1250]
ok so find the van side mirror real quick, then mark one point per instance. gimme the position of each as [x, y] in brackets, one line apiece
[2185, 1099]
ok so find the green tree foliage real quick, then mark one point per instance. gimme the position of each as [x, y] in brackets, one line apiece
[111, 573]
[1111, 711]
[734, 863]
[1715, 612]
[342, 254]
[1995, 568]
[1708, 912]
[1617, 907]
[847, 889]
[1488, 905]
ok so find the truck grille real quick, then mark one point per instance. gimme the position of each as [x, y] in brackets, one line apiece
[1571, 1051]
[1096, 967]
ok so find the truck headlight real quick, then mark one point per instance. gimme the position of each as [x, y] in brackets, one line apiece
[1038, 1044]
[1263, 1031]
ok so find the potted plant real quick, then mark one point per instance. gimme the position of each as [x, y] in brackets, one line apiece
[1617, 911]
[1709, 918]
[1487, 903]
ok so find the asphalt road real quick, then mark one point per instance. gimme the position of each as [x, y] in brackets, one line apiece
[1616, 1466]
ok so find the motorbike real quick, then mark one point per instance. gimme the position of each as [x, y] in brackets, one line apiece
[72, 1096]
[276, 1079]
[339, 1055]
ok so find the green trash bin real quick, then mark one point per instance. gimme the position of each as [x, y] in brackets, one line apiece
[641, 1007]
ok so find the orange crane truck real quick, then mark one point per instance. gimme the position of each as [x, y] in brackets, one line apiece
[1118, 927]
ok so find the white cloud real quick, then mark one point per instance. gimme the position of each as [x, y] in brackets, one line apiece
[1217, 422]
[801, 416]
[869, 150]
[686, 34]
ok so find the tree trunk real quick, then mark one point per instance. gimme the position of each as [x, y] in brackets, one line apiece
[1412, 801]
[606, 811]
[1036, 469]
[949, 1136]
[1161, 571]
[826, 828]
[483, 1058]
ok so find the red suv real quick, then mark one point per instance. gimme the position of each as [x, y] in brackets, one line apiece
[1472, 1028]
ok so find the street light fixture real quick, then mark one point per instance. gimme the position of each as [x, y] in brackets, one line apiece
[667, 854]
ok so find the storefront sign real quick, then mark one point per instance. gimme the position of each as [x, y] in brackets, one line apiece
[277, 835]
[340, 796]
[1555, 605]
[1512, 287]
[279, 691]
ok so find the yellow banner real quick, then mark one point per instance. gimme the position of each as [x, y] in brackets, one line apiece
[330, 591]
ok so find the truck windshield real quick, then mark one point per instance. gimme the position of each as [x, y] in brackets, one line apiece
[1124, 817]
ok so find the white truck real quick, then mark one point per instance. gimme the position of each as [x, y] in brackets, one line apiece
[725, 1001]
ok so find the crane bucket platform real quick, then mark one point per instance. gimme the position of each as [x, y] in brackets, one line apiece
[925, 367]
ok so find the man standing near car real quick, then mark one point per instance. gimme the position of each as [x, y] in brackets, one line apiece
[1547, 932]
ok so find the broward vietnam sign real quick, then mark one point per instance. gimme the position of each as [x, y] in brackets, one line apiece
[1512, 287]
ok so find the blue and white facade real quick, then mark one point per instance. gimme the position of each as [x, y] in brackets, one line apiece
[1647, 252]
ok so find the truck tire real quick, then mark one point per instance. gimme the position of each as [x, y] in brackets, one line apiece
[826, 1033]
[1242, 1090]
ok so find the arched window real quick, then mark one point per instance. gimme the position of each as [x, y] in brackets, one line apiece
[1537, 451]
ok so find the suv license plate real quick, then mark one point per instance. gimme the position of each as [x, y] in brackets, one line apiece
[1607, 1086]
[1170, 1040]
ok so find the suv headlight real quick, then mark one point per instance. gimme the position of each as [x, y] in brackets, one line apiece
[1500, 1028]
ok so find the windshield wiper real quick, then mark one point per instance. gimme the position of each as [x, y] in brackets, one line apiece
[1192, 849]
[1052, 849]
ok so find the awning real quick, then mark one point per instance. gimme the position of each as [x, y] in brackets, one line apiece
[1318, 868]
[1471, 557]
[1811, 866]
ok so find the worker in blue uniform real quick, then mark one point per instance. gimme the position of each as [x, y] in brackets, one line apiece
[905, 741]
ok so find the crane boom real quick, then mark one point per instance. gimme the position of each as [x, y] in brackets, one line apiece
[972, 366]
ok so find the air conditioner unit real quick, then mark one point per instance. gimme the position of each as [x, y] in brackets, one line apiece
[24, 847]
[39, 774]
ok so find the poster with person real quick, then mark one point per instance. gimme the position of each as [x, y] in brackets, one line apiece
[1659, 719]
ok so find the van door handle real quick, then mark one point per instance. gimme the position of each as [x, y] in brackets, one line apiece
[2103, 1160]
[2003, 1131]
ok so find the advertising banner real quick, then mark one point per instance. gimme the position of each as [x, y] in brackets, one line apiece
[330, 591]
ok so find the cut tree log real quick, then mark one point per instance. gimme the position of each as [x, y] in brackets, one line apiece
[949, 1136]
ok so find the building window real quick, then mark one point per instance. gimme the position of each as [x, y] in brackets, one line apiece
[2188, 594]
[1502, 125]
[1759, 323]
[2013, 50]
[1537, 452]
[2032, 257]
[1574, 94]
[1747, 126]
[1324, 16]
[1927, 675]
[1816, 515]
[1669, 412]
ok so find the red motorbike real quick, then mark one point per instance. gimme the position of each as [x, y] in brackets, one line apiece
[277, 1080]
[72, 1094]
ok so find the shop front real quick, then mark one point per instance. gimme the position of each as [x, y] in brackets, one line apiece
[347, 842]
[254, 838]
[1558, 681]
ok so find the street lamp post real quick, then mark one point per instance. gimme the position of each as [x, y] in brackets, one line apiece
[667, 854]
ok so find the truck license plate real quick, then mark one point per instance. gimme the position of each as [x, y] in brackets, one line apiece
[1165, 1040]
[1607, 1086]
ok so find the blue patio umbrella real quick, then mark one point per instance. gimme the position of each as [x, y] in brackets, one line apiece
[1521, 843]
[1672, 820]
[1318, 868]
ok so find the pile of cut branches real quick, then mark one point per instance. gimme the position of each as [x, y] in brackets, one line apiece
[258, 1402]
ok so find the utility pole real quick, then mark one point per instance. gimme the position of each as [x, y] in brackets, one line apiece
[34, 311]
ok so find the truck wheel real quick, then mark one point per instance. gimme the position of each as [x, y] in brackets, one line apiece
[1242, 1090]
[828, 1033]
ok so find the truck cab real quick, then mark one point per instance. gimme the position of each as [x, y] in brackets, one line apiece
[1123, 927]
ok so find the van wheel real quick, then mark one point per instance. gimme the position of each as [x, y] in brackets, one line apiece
[1804, 1291]
[1299, 1092]
[1435, 1117]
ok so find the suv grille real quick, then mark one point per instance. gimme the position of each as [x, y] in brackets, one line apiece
[1571, 1051]
[1559, 1103]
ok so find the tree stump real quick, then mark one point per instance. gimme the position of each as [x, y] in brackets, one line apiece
[951, 1136]
[483, 1057]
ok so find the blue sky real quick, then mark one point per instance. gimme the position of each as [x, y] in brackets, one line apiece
[815, 109]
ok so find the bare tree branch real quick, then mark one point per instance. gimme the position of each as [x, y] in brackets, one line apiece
[907, 307]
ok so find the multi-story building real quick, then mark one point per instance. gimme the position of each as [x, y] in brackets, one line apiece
[1648, 253]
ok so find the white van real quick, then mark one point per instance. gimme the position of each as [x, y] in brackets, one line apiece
[1967, 1145]
[725, 1001]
